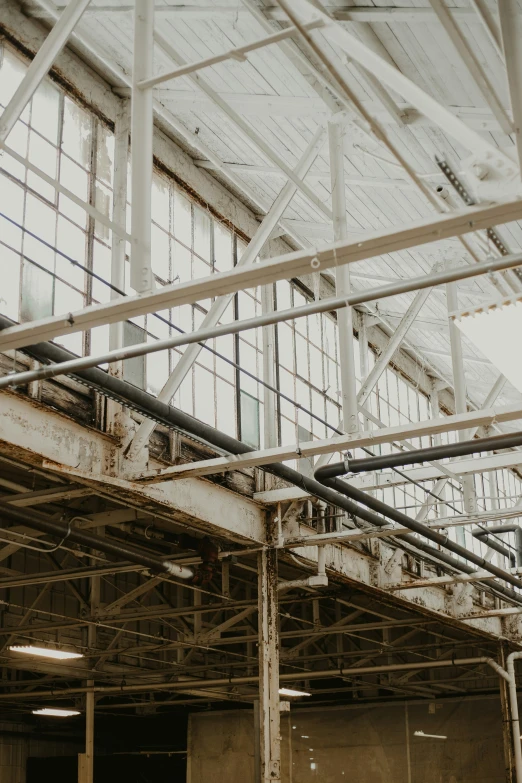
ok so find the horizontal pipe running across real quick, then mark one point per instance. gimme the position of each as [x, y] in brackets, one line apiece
[33, 519]
[475, 446]
[186, 685]
[235, 327]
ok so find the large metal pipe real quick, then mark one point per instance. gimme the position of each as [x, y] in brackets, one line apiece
[136, 399]
[434, 453]
[387, 511]
[484, 533]
[496, 545]
[61, 531]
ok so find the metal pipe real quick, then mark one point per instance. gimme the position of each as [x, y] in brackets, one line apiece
[397, 516]
[39, 521]
[181, 685]
[483, 535]
[475, 446]
[515, 721]
[144, 403]
[324, 305]
[516, 529]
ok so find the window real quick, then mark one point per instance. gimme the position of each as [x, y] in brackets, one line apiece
[250, 420]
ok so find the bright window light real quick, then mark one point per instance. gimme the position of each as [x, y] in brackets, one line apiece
[46, 652]
[291, 692]
[56, 712]
[494, 331]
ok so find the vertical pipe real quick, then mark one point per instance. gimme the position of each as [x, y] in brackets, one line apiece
[141, 147]
[515, 721]
[89, 696]
[270, 730]
[342, 279]
[506, 724]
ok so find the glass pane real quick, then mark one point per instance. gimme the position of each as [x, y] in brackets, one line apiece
[250, 420]
[76, 133]
[45, 111]
[10, 288]
[134, 369]
[37, 293]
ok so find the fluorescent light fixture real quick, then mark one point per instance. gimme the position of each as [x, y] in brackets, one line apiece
[45, 652]
[291, 692]
[56, 712]
[495, 330]
[432, 736]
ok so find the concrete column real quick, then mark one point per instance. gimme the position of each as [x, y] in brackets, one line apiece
[269, 719]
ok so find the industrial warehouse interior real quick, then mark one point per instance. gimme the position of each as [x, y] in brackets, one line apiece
[260, 391]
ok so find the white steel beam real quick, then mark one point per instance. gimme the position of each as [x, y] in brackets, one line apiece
[488, 22]
[142, 121]
[511, 27]
[472, 64]
[342, 280]
[397, 81]
[435, 228]
[232, 54]
[393, 344]
[457, 422]
[42, 63]
[248, 132]
[344, 13]
[235, 327]
[220, 305]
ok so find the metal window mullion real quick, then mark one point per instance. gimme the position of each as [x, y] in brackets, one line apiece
[91, 227]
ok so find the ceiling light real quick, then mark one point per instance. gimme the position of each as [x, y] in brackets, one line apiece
[432, 736]
[291, 692]
[46, 652]
[492, 329]
[55, 712]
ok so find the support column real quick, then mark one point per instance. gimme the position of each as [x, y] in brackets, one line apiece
[269, 367]
[141, 140]
[342, 280]
[88, 767]
[459, 386]
[119, 216]
[269, 718]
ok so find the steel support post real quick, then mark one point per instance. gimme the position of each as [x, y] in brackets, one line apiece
[89, 696]
[119, 213]
[40, 66]
[141, 147]
[342, 279]
[269, 369]
[269, 718]
[459, 387]
[221, 303]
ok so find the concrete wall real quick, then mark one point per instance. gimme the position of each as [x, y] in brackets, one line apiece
[16, 746]
[365, 745]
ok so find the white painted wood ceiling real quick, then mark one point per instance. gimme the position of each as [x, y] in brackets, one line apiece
[278, 102]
